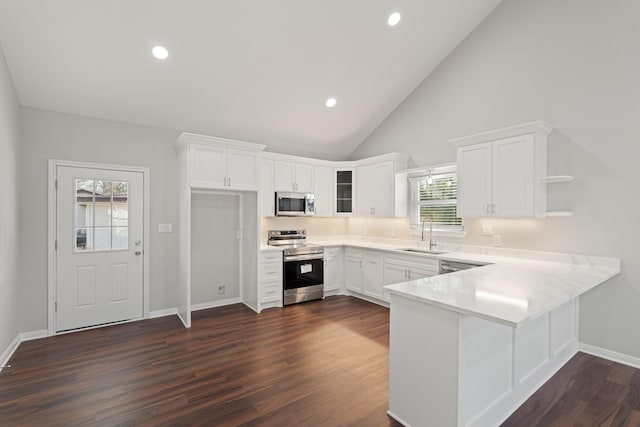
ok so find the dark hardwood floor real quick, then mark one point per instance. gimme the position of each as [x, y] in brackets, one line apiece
[321, 363]
[587, 391]
[314, 364]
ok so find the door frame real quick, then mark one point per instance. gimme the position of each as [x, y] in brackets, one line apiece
[52, 224]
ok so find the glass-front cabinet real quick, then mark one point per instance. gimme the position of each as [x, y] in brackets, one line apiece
[344, 191]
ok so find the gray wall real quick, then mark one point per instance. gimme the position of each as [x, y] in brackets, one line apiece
[574, 63]
[48, 135]
[9, 289]
[215, 250]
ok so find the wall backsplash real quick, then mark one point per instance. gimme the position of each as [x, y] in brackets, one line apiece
[315, 226]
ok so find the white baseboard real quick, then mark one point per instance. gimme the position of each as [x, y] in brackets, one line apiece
[4, 359]
[614, 356]
[214, 304]
[26, 336]
[162, 313]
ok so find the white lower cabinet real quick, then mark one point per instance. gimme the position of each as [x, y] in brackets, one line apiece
[353, 277]
[398, 268]
[270, 279]
[333, 270]
[373, 270]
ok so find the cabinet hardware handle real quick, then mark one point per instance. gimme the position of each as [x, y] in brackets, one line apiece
[493, 208]
[229, 181]
[487, 207]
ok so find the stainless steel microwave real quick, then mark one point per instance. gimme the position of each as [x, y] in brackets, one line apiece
[295, 204]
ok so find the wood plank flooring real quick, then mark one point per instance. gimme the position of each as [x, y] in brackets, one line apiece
[313, 364]
[587, 391]
[320, 363]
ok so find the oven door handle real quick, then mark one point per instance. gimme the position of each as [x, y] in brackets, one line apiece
[309, 257]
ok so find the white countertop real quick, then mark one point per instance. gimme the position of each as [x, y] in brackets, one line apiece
[510, 290]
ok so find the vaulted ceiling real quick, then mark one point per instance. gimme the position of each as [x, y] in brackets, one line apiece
[254, 70]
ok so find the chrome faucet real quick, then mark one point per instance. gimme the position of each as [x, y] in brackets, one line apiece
[432, 244]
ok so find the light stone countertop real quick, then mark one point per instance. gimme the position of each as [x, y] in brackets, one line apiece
[514, 287]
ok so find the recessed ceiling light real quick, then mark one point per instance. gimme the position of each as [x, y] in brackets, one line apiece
[160, 52]
[331, 102]
[394, 18]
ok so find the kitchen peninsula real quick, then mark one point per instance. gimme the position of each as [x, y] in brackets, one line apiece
[467, 348]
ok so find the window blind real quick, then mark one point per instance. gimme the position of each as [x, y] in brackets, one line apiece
[435, 197]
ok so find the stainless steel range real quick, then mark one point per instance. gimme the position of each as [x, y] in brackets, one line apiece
[303, 266]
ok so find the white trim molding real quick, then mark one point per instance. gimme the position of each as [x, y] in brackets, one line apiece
[20, 338]
[162, 313]
[51, 238]
[614, 356]
[214, 304]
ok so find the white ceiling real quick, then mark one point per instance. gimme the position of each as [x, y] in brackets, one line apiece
[254, 70]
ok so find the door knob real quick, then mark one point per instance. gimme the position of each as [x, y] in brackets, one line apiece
[138, 253]
[137, 242]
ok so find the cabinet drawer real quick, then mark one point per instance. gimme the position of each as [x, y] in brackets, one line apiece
[330, 253]
[353, 253]
[270, 272]
[270, 256]
[271, 292]
[417, 262]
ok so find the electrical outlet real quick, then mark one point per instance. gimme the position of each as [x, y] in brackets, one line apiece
[487, 230]
[497, 240]
[333, 231]
[364, 231]
[393, 232]
[238, 234]
[221, 290]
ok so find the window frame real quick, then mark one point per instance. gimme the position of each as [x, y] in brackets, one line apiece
[413, 208]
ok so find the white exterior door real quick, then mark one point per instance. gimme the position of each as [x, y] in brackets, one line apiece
[99, 256]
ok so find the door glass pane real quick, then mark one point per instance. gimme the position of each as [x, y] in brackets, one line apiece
[120, 238]
[84, 239]
[102, 238]
[102, 215]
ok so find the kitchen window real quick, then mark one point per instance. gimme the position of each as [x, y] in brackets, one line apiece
[434, 195]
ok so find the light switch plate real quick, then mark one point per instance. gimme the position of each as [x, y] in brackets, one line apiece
[165, 228]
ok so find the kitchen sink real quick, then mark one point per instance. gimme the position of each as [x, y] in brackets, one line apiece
[423, 251]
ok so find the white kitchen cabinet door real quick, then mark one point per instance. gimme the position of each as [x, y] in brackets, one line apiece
[293, 177]
[513, 182]
[267, 192]
[375, 190]
[284, 176]
[474, 180]
[333, 270]
[353, 279]
[242, 170]
[382, 192]
[208, 166]
[373, 271]
[419, 273]
[395, 273]
[304, 178]
[323, 190]
[364, 191]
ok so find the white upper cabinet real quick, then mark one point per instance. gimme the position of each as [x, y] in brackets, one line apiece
[208, 166]
[242, 170]
[501, 173]
[323, 189]
[218, 163]
[375, 190]
[267, 192]
[293, 177]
